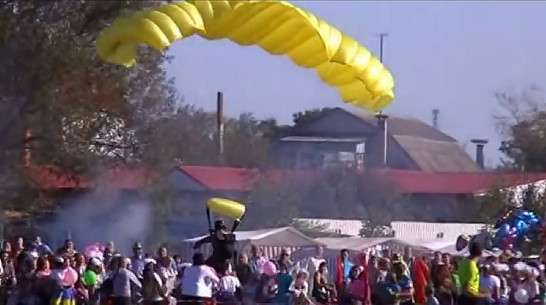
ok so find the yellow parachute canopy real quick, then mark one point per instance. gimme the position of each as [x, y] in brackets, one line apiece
[227, 208]
[278, 27]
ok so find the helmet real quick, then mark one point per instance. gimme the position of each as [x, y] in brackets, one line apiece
[219, 225]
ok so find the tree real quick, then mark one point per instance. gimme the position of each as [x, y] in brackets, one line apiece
[64, 104]
[334, 193]
[309, 115]
[273, 203]
[500, 200]
[309, 225]
[190, 137]
[523, 127]
[382, 205]
[271, 130]
[493, 202]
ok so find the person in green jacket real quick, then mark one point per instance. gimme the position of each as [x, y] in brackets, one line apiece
[469, 277]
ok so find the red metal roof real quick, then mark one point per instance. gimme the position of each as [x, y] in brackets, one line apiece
[406, 182]
[415, 182]
[50, 177]
[235, 179]
[240, 179]
[222, 178]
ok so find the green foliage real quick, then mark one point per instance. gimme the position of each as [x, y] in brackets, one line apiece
[523, 129]
[493, 202]
[534, 199]
[499, 199]
[308, 225]
[369, 229]
[81, 112]
[309, 115]
[190, 137]
[273, 203]
[334, 193]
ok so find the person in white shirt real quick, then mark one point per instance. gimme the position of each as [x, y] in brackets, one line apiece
[312, 264]
[228, 286]
[257, 260]
[196, 284]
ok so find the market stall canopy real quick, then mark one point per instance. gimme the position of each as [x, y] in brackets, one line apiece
[435, 245]
[450, 249]
[416, 232]
[270, 240]
[279, 237]
[358, 244]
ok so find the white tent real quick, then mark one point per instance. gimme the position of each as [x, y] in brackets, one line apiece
[435, 245]
[271, 241]
[356, 244]
[418, 232]
[452, 251]
[359, 244]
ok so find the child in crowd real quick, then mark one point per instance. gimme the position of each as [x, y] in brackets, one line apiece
[389, 290]
[431, 299]
[229, 286]
[300, 287]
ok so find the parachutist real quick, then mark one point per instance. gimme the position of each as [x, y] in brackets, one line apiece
[223, 246]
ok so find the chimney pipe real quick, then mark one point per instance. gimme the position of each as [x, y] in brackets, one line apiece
[220, 125]
[435, 114]
[480, 144]
[383, 130]
[27, 152]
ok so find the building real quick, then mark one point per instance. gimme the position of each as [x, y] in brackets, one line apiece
[410, 231]
[437, 197]
[338, 135]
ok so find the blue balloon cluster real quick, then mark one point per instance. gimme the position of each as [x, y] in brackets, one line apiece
[515, 226]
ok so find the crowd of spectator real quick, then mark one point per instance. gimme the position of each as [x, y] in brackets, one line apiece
[33, 274]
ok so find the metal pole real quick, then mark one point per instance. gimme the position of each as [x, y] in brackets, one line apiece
[381, 41]
[220, 125]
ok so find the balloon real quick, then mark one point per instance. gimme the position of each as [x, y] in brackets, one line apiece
[521, 296]
[278, 27]
[462, 242]
[503, 230]
[507, 243]
[89, 278]
[270, 268]
[512, 231]
[521, 228]
[69, 276]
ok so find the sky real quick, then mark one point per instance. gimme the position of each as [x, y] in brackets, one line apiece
[449, 55]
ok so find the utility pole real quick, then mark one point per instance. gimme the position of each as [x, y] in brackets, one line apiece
[220, 125]
[382, 37]
[381, 42]
[382, 118]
